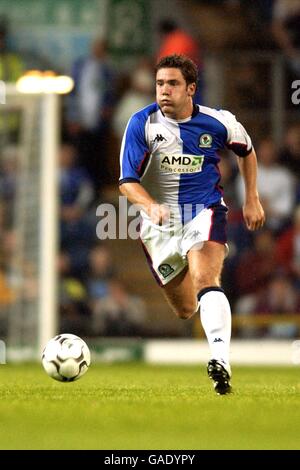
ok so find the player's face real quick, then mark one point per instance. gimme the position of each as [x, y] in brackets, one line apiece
[173, 94]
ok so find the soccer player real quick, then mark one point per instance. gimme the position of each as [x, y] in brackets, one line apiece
[169, 167]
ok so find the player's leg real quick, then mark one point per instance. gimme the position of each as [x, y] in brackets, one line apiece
[181, 295]
[169, 267]
[205, 267]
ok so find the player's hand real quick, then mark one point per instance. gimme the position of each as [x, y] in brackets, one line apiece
[254, 214]
[159, 214]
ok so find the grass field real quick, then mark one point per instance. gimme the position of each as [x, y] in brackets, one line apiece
[135, 406]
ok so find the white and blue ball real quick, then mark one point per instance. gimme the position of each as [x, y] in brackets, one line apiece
[66, 357]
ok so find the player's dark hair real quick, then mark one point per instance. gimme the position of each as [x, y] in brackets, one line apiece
[185, 64]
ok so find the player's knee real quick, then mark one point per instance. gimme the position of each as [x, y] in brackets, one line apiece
[201, 281]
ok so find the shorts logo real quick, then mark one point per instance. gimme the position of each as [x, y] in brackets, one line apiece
[181, 163]
[165, 270]
[205, 141]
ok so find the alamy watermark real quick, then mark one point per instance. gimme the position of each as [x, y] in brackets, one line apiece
[126, 222]
[296, 94]
[113, 225]
[2, 92]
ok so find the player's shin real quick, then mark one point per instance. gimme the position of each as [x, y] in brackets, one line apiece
[215, 317]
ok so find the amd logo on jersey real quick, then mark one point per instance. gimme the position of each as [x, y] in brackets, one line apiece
[181, 163]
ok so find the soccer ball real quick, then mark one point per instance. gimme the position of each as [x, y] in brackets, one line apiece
[66, 357]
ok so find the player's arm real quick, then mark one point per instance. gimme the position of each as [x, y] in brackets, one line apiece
[252, 209]
[240, 143]
[138, 195]
[134, 159]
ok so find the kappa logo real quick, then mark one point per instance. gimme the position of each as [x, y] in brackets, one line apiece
[205, 140]
[165, 270]
[159, 138]
[218, 340]
[195, 234]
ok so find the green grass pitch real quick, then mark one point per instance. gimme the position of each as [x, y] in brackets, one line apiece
[138, 406]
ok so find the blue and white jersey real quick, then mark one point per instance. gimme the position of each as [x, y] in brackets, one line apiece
[177, 161]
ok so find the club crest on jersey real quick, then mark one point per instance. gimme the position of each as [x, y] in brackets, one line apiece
[165, 270]
[181, 163]
[205, 141]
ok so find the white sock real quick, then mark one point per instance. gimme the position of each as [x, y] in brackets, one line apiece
[215, 317]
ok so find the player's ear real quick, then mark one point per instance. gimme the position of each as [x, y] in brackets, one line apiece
[191, 89]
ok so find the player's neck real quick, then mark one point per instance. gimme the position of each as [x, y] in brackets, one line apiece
[183, 114]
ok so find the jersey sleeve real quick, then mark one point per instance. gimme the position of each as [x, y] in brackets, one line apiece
[238, 139]
[134, 154]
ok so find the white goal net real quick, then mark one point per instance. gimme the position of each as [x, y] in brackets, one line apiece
[28, 200]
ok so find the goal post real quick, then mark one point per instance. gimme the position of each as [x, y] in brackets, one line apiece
[47, 313]
[29, 138]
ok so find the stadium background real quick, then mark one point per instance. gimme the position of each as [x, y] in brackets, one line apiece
[105, 289]
[105, 292]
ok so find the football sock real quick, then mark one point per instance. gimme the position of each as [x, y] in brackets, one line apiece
[215, 315]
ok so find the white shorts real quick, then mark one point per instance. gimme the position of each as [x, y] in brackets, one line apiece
[166, 246]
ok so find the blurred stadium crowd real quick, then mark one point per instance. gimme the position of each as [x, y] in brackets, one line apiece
[262, 271]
